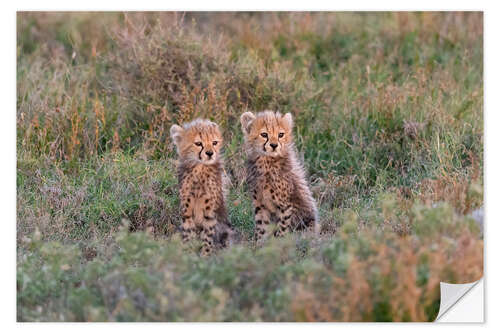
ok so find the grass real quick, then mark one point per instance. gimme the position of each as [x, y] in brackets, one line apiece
[389, 122]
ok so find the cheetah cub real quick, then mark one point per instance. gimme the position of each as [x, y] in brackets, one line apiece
[275, 176]
[200, 173]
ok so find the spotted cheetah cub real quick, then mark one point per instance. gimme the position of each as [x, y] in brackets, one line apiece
[275, 176]
[200, 173]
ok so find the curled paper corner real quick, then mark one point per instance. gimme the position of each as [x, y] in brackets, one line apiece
[452, 294]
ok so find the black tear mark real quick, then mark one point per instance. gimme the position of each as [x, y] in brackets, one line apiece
[267, 139]
[199, 154]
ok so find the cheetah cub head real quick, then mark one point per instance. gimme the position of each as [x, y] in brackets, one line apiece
[267, 133]
[198, 141]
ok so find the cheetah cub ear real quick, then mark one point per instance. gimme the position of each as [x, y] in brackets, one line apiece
[176, 133]
[246, 120]
[287, 118]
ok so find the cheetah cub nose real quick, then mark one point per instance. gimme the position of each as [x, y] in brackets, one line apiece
[274, 145]
[209, 153]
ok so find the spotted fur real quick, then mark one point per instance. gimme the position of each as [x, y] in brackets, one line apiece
[275, 176]
[202, 191]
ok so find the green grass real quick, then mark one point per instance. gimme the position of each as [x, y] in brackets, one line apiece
[388, 110]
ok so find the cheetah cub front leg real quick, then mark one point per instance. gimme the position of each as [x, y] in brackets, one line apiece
[262, 220]
[284, 220]
[208, 228]
[188, 225]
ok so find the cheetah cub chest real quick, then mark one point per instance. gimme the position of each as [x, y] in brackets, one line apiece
[201, 188]
[272, 186]
[200, 171]
[281, 196]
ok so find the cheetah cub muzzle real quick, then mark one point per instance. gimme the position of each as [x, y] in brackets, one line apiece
[200, 173]
[281, 197]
